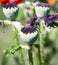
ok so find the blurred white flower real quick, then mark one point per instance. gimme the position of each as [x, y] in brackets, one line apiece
[28, 9]
[21, 5]
[27, 3]
[28, 12]
[18, 25]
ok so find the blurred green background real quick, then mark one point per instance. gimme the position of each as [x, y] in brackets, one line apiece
[6, 39]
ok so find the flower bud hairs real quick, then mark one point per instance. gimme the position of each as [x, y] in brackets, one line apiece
[10, 10]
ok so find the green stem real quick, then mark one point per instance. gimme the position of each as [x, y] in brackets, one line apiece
[21, 57]
[41, 44]
[35, 56]
[30, 55]
[3, 24]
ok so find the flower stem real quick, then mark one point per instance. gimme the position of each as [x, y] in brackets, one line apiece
[30, 55]
[16, 41]
[41, 44]
[21, 57]
[3, 26]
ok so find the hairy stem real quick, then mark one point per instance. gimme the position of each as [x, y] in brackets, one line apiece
[41, 44]
[30, 55]
[17, 42]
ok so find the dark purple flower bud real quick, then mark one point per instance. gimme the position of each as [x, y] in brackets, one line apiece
[51, 18]
[28, 34]
[43, 5]
[37, 20]
[33, 21]
[9, 5]
[28, 29]
[10, 10]
[42, 9]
